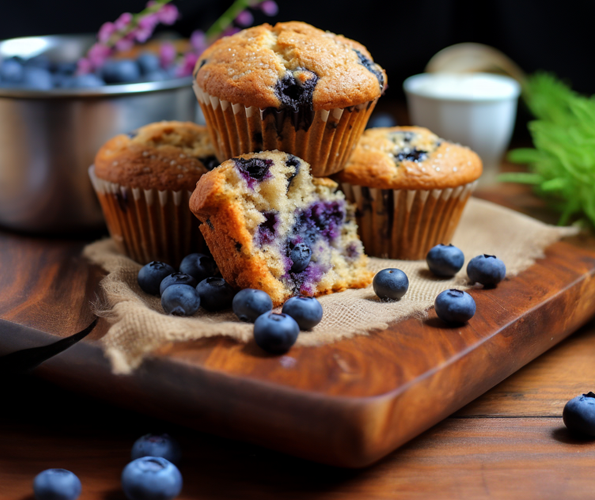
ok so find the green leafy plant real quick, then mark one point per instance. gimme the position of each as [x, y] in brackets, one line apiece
[562, 163]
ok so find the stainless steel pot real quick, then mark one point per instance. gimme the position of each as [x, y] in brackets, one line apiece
[48, 139]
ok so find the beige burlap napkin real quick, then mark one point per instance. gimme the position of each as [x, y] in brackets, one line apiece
[139, 326]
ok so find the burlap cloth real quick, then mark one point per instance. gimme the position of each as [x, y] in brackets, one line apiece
[139, 326]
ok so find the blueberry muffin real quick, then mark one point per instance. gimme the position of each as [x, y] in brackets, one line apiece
[144, 180]
[271, 226]
[290, 87]
[410, 188]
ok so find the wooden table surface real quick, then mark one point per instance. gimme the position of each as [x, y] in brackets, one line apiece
[509, 443]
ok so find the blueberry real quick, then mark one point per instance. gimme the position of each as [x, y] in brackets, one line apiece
[65, 68]
[215, 294]
[199, 266]
[488, 270]
[210, 162]
[37, 79]
[56, 484]
[87, 81]
[390, 284]
[157, 445]
[148, 63]
[159, 75]
[120, 71]
[445, 260]
[381, 119]
[151, 478]
[300, 255]
[151, 276]
[40, 61]
[249, 304]
[454, 306]
[180, 300]
[254, 168]
[371, 66]
[11, 71]
[176, 279]
[275, 333]
[306, 311]
[579, 414]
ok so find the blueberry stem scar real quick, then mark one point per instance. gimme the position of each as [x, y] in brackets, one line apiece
[27, 359]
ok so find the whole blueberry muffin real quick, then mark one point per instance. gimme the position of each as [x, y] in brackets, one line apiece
[144, 180]
[270, 225]
[410, 188]
[290, 87]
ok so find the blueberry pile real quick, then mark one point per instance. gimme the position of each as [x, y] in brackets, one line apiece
[40, 73]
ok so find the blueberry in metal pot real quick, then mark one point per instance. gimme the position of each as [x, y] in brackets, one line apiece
[120, 71]
[249, 304]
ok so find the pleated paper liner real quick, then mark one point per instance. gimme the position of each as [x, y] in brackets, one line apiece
[405, 224]
[325, 139]
[148, 224]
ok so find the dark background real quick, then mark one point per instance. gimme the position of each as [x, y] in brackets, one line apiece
[401, 35]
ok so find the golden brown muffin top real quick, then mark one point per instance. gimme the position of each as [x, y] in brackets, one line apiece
[165, 156]
[287, 64]
[409, 158]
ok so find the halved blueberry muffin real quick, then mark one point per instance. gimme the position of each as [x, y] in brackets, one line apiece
[271, 226]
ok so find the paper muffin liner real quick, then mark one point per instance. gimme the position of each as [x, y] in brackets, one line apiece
[326, 144]
[148, 224]
[405, 224]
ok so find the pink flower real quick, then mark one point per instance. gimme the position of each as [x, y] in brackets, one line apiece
[123, 21]
[106, 31]
[168, 14]
[145, 27]
[198, 40]
[125, 43]
[84, 66]
[167, 54]
[230, 30]
[187, 66]
[245, 18]
[97, 54]
[269, 7]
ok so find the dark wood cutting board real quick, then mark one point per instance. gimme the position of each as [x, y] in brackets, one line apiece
[345, 404]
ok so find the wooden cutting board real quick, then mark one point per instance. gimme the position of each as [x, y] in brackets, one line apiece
[345, 404]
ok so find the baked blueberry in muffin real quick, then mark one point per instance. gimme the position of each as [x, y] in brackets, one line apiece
[271, 226]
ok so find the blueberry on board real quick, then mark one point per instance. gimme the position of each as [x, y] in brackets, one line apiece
[37, 79]
[381, 119]
[275, 333]
[151, 276]
[176, 279]
[454, 306]
[488, 270]
[249, 304]
[215, 294]
[199, 266]
[120, 71]
[180, 300]
[445, 260]
[151, 478]
[306, 311]
[56, 484]
[157, 445]
[11, 71]
[579, 414]
[148, 62]
[390, 284]
[300, 255]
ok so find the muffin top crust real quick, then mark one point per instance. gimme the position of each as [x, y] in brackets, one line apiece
[164, 155]
[283, 65]
[409, 158]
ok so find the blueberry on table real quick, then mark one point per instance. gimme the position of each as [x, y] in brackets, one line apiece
[579, 414]
[306, 311]
[300, 255]
[151, 276]
[56, 484]
[151, 478]
[275, 333]
[249, 304]
[215, 294]
[488, 270]
[199, 266]
[445, 260]
[176, 279]
[157, 445]
[180, 300]
[390, 284]
[120, 71]
[454, 306]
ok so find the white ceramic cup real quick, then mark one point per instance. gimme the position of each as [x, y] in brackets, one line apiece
[477, 110]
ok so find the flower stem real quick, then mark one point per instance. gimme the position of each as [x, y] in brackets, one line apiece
[228, 17]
